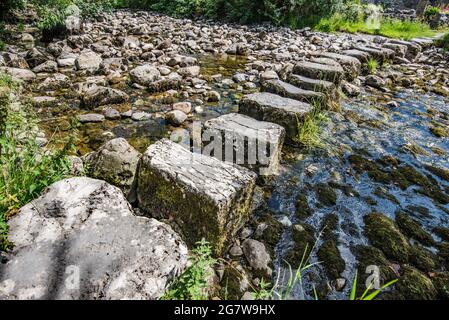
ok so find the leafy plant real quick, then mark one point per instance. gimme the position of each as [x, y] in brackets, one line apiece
[430, 12]
[194, 282]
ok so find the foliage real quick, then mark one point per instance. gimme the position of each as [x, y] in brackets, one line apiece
[392, 28]
[430, 12]
[6, 6]
[294, 13]
[194, 282]
[26, 168]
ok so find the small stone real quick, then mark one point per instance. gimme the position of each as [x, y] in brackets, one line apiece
[176, 117]
[247, 296]
[340, 284]
[268, 75]
[140, 116]
[236, 251]
[199, 109]
[213, 96]
[111, 114]
[90, 117]
[185, 107]
[393, 104]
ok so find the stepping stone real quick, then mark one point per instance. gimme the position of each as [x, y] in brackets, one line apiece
[375, 53]
[207, 198]
[388, 53]
[287, 90]
[400, 49]
[351, 65]
[423, 42]
[326, 87]
[285, 112]
[412, 48]
[362, 56]
[319, 71]
[254, 144]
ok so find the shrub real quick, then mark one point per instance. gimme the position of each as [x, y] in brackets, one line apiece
[430, 12]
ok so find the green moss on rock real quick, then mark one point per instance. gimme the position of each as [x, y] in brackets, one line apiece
[272, 230]
[384, 234]
[423, 259]
[304, 240]
[414, 285]
[302, 207]
[442, 232]
[441, 283]
[412, 229]
[325, 195]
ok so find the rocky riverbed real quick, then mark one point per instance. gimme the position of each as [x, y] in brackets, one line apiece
[377, 190]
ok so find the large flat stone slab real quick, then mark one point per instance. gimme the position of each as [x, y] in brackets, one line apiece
[270, 107]
[326, 87]
[207, 198]
[333, 73]
[362, 56]
[288, 90]
[254, 144]
[81, 240]
[351, 65]
[413, 49]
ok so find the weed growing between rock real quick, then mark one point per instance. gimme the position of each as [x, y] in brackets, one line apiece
[372, 65]
[26, 168]
[194, 283]
[309, 129]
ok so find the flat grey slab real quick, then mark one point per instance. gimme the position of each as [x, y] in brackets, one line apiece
[256, 144]
[362, 56]
[351, 65]
[206, 197]
[270, 107]
[288, 90]
[412, 48]
[373, 52]
[333, 73]
[305, 83]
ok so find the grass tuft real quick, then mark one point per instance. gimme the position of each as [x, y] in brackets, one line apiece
[372, 65]
[309, 130]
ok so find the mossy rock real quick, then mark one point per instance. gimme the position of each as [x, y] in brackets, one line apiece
[414, 285]
[423, 259]
[439, 172]
[302, 207]
[326, 195]
[304, 241]
[441, 283]
[271, 234]
[439, 131]
[387, 161]
[382, 193]
[412, 229]
[348, 190]
[331, 258]
[328, 252]
[368, 256]
[383, 233]
[443, 253]
[442, 232]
